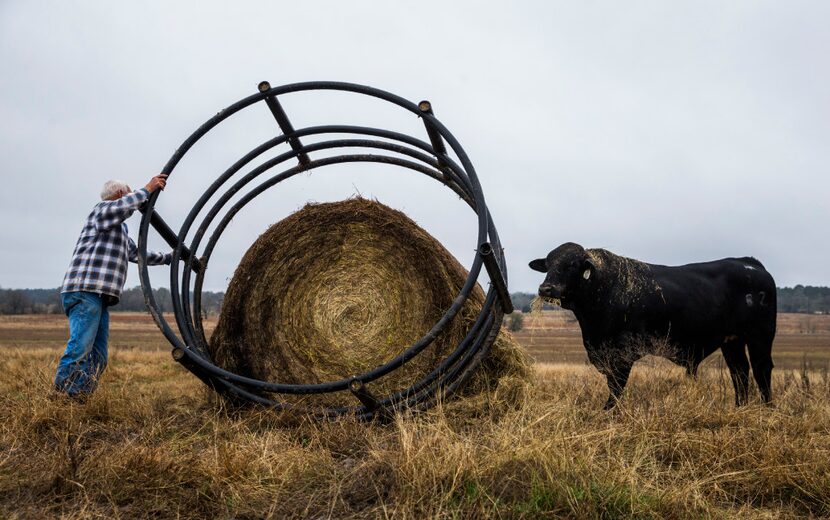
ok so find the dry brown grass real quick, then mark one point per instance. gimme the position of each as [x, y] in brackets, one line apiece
[152, 443]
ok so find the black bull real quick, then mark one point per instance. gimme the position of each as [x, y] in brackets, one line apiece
[627, 308]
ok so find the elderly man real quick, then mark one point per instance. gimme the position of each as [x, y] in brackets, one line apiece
[94, 282]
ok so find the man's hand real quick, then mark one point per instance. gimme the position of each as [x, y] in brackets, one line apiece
[157, 183]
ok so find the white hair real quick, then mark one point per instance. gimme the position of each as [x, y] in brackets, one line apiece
[113, 187]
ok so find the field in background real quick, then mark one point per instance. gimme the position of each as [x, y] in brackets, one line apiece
[153, 442]
[553, 337]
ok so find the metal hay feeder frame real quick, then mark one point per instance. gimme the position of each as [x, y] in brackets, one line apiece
[430, 158]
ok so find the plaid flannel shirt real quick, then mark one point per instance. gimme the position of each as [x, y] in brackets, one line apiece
[99, 262]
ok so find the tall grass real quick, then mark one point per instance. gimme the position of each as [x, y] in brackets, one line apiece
[152, 443]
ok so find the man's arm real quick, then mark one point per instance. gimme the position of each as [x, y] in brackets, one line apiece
[153, 257]
[114, 212]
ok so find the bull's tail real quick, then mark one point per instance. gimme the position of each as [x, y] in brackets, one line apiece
[760, 356]
[762, 327]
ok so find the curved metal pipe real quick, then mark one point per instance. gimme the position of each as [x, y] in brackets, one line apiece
[431, 159]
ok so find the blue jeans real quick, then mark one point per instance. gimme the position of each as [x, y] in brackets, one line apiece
[85, 357]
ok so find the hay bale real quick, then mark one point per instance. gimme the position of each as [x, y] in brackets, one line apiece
[337, 289]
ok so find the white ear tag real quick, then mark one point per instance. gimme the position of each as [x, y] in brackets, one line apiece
[586, 274]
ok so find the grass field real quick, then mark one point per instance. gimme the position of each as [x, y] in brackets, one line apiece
[153, 443]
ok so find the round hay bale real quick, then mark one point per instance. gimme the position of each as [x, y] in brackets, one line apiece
[337, 289]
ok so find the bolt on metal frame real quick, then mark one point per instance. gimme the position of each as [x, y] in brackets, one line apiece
[429, 158]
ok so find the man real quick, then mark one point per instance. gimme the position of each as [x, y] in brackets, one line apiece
[94, 282]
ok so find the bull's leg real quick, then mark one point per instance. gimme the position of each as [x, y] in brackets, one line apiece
[617, 376]
[735, 355]
[760, 354]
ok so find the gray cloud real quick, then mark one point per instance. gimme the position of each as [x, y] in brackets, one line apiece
[671, 132]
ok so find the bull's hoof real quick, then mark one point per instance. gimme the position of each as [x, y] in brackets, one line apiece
[609, 404]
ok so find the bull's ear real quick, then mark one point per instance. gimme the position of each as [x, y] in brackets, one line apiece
[539, 265]
[588, 268]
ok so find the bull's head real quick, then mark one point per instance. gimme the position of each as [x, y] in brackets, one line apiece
[569, 269]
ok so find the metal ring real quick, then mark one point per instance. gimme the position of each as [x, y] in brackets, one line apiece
[429, 158]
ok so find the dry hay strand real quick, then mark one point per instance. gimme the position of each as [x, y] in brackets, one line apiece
[633, 277]
[537, 306]
[337, 289]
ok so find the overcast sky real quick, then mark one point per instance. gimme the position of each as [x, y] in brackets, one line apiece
[671, 132]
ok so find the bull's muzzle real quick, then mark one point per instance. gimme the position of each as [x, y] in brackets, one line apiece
[548, 290]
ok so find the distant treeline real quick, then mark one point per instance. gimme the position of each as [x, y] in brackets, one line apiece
[804, 298]
[48, 301]
[800, 299]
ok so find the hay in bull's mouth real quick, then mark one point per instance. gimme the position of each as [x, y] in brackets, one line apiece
[337, 289]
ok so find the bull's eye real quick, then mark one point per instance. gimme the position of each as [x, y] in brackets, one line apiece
[586, 274]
